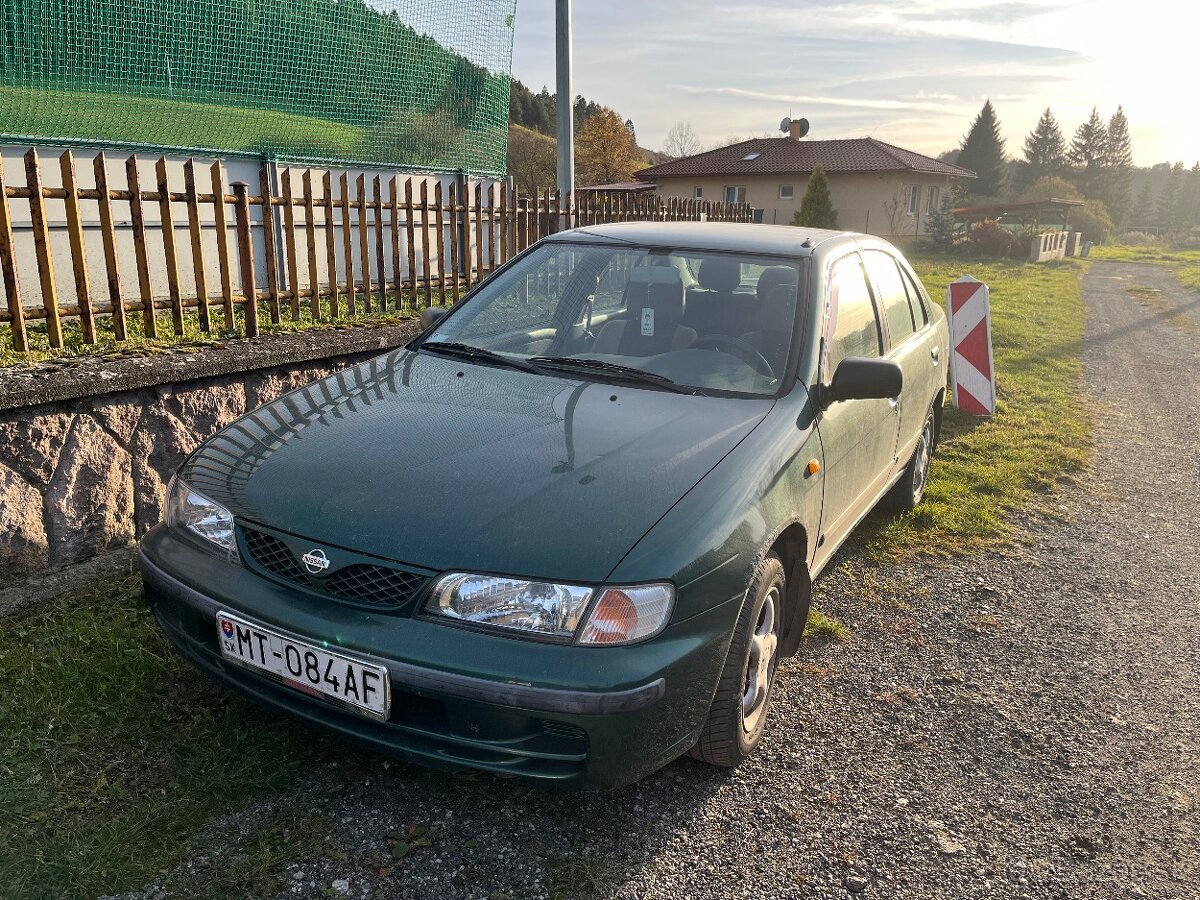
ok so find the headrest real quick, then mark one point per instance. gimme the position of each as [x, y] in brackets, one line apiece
[659, 288]
[720, 273]
[772, 278]
[777, 310]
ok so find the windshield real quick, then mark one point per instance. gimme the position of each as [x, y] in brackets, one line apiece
[668, 319]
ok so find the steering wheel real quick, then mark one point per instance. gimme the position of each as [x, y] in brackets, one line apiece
[742, 349]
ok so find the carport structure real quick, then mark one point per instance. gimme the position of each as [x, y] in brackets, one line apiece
[1028, 213]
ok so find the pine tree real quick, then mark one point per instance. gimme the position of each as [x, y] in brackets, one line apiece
[1045, 150]
[1088, 150]
[816, 209]
[1117, 176]
[939, 225]
[1143, 212]
[1191, 202]
[983, 153]
[1169, 200]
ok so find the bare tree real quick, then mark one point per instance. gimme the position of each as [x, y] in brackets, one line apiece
[681, 141]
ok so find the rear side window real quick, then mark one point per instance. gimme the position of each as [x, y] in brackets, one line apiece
[916, 296]
[894, 297]
[854, 324]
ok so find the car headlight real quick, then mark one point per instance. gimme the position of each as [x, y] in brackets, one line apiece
[192, 511]
[614, 615]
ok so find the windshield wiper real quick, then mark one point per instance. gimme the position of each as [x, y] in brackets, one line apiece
[479, 354]
[600, 366]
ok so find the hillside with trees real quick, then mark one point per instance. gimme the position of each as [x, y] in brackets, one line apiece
[333, 62]
[606, 142]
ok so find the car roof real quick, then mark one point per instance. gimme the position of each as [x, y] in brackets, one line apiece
[782, 240]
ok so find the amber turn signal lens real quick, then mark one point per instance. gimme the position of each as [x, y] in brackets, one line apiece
[813, 467]
[628, 613]
[615, 619]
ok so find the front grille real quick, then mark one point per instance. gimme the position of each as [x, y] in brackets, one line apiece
[362, 583]
[373, 584]
[275, 556]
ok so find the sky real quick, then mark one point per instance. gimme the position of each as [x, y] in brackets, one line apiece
[913, 73]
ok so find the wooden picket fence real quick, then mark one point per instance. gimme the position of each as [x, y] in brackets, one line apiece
[440, 246]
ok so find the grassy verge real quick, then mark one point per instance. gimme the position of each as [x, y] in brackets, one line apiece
[137, 344]
[986, 469]
[1186, 263]
[114, 752]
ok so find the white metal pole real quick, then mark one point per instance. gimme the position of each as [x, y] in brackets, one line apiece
[565, 101]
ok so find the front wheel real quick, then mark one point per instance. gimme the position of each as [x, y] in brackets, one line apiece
[739, 710]
[909, 491]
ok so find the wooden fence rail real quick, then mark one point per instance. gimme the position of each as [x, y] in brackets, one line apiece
[440, 247]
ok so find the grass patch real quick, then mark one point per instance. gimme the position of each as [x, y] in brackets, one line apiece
[1153, 299]
[1186, 263]
[578, 878]
[86, 115]
[823, 627]
[137, 344]
[114, 752]
[986, 469]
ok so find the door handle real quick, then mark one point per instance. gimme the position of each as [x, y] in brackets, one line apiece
[935, 353]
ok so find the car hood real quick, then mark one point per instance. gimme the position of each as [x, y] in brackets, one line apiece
[450, 465]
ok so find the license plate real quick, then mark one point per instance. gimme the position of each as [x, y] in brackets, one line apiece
[314, 670]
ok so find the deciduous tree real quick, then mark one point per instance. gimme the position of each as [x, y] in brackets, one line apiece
[681, 141]
[605, 151]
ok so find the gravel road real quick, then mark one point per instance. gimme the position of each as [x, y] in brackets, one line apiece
[1023, 724]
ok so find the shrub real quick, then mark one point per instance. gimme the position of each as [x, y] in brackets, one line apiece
[990, 238]
[1139, 239]
[1094, 221]
[1050, 187]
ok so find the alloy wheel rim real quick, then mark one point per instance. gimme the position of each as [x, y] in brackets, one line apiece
[924, 451]
[760, 666]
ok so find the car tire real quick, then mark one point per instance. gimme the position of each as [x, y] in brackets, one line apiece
[909, 491]
[738, 713]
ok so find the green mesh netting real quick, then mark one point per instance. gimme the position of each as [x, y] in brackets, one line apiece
[418, 83]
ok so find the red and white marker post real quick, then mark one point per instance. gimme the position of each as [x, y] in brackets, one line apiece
[971, 372]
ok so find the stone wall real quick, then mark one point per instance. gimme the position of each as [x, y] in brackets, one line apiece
[86, 471]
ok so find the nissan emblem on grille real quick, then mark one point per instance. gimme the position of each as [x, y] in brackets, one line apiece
[315, 561]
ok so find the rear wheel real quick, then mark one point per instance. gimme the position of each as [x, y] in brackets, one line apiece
[739, 710]
[909, 491]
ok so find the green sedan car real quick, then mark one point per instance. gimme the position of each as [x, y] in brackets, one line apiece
[569, 531]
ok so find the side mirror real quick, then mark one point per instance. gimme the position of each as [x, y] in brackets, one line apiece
[430, 316]
[857, 378]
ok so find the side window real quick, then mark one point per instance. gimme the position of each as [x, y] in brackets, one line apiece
[916, 296]
[892, 295]
[854, 326]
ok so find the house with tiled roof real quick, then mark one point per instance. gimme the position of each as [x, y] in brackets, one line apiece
[876, 187]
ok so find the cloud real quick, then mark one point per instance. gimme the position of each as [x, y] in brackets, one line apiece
[810, 100]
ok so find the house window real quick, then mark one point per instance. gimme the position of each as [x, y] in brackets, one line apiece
[735, 193]
[786, 192]
[699, 193]
[912, 201]
[750, 157]
[935, 199]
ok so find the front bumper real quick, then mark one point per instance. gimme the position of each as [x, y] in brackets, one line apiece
[572, 716]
